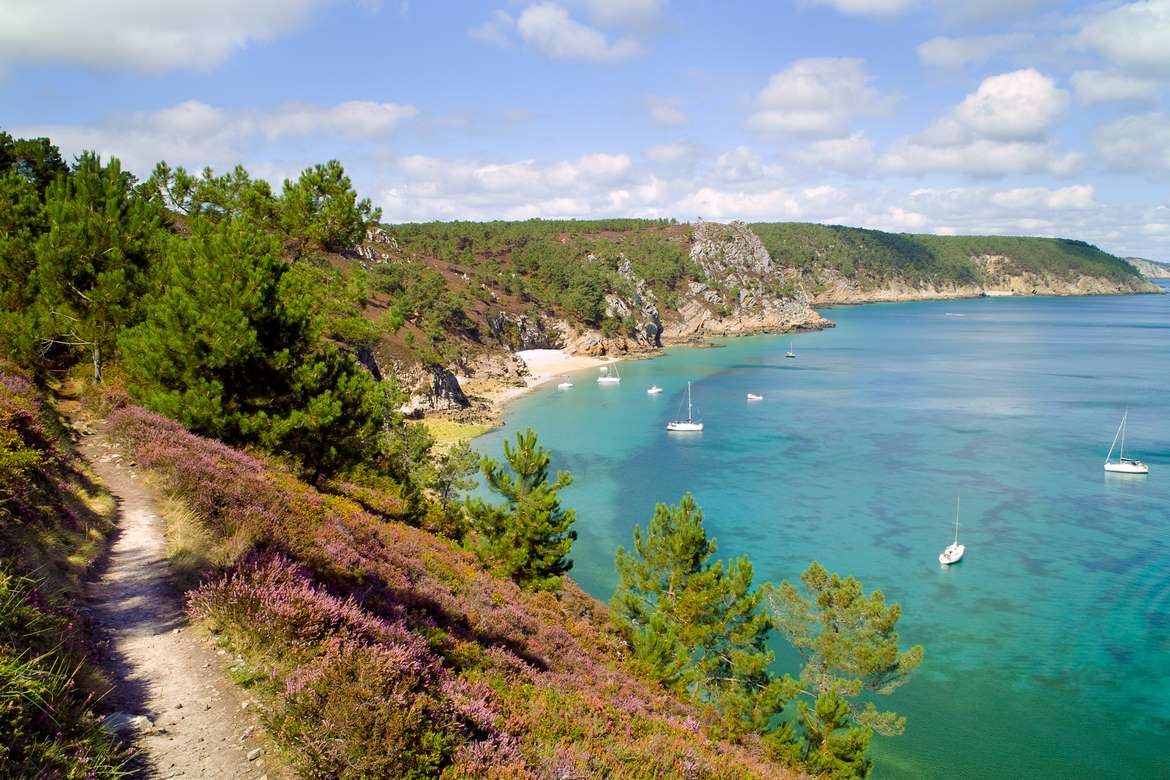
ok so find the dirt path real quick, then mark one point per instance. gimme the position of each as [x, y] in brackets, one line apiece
[200, 726]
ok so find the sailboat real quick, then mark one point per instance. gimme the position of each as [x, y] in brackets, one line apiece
[606, 377]
[654, 390]
[790, 353]
[688, 424]
[565, 383]
[954, 551]
[1123, 465]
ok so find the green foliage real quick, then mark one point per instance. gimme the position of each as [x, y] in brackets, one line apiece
[695, 624]
[48, 728]
[873, 256]
[320, 208]
[35, 160]
[93, 258]
[562, 265]
[232, 195]
[229, 352]
[22, 222]
[528, 537]
[849, 646]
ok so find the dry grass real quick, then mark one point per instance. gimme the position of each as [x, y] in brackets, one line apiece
[191, 548]
[447, 433]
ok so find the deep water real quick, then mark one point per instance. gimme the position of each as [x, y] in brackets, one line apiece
[1048, 647]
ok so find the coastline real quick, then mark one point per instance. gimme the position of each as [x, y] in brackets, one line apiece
[545, 365]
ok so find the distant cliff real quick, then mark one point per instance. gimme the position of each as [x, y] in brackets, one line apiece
[1151, 269]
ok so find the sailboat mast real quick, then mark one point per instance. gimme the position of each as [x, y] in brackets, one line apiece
[1124, 417]
[956, 519]
[689, 418]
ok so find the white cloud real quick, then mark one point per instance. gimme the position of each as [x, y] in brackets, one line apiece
[817, 97]
[666, 112]
[673, 153]
[1137, 143]
[742, 164]
[1017, 105]
[143, 35]
[867, 7]
[1134, 37]
[851, 154]
[195, 134]
[1095, 86]
[1076, 197]
[549, 28]
[945, 52]
[998, 130]
[495, 31]
[632, 14]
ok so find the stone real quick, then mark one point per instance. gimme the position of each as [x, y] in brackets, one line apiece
[254, 754]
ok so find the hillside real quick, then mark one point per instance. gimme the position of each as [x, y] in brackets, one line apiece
[377, 649]
[1151, 269]
[482, 291]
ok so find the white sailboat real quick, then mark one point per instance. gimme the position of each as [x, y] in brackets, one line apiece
[654, 390]
[754, 397]
[608, 378]
[688, 425]
[565, 384]
[791, 353]
[1123, 465]
[954, 551]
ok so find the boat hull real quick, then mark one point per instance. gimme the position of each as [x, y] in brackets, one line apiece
[684, 427]
[952, 554]
[608, 380]
[1127, 468]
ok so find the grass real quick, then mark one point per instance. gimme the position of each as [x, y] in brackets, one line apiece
[447, 432]
[53, 522]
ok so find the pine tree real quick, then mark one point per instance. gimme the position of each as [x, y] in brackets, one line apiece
[93, 260]
[321, 208]
[696, 624]
[849, 645]
[527, 537]
[225, 351]
[22, 221]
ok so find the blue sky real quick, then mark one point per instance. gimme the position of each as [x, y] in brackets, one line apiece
[988, 116]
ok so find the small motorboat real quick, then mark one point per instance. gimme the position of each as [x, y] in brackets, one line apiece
[954, 552]
[654, 390]
[754, 397]
[564, 385]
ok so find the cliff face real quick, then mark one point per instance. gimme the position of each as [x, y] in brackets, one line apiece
[998, 274]
[1151, 269]
[742, 290]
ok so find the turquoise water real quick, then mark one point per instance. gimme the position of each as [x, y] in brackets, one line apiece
[1048, 647]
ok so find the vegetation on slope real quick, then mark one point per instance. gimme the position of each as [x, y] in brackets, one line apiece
[876, 257]
[52, 520]
[382, 650]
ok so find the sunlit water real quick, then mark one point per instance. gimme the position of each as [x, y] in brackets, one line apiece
[1048, 647]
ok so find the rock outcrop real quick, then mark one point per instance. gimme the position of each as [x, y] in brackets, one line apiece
[743, 290]
[519, 331]
[1151, 269]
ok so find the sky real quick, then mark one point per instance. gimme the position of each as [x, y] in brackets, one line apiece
[1028, 117]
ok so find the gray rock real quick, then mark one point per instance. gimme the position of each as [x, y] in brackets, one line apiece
[254, 754]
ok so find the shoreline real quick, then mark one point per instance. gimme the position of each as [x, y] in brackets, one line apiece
[545, 365]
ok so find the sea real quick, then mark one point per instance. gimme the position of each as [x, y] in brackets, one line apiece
[1047, 648]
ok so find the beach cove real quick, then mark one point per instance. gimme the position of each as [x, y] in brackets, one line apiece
[1046, 646]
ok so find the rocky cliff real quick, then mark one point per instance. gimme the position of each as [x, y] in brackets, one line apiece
[1151, 269]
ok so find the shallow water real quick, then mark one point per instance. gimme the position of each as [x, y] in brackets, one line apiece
[1048, 647]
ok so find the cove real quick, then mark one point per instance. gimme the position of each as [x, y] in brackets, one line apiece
[1048, 647]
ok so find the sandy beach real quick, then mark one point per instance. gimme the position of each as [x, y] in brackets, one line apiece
[545, 365]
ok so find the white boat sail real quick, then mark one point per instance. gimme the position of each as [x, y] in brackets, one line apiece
[1123, 465]
[609, 374]
[689, 424]
[954, 551]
